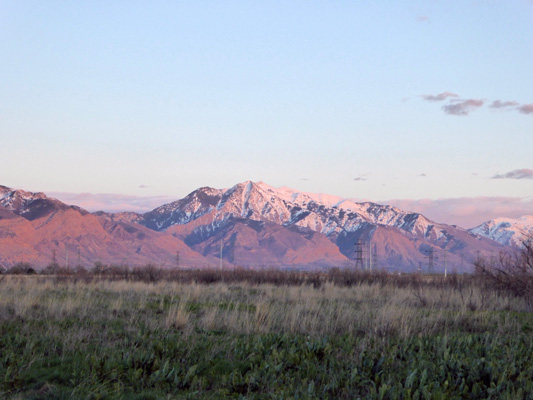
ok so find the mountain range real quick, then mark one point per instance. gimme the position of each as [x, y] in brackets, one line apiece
[251, 224]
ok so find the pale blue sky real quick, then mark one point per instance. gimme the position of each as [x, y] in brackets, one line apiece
[150, 98]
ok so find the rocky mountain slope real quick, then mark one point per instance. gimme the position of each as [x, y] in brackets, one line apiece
[35, 228]
[391, 237]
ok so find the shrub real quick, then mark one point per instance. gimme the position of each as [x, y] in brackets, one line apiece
[511, 272]
[21, 268]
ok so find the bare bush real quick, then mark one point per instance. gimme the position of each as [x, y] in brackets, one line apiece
[510, 272]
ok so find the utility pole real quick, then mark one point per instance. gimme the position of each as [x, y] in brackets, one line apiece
[66, 258]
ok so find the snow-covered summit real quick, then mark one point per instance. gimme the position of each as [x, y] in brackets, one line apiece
[507, 231]
[31, 205]
[18, 200]
[259, 201]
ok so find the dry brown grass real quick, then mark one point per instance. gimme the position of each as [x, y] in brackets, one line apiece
[378, 309]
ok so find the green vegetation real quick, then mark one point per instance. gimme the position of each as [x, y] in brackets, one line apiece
[252, 336]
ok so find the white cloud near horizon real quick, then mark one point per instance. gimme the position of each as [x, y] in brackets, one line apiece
[112, 202]
[467, 212]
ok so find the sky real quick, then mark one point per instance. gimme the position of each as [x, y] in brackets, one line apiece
[426, 105]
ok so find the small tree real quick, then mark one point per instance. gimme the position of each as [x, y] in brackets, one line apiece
[511, 272]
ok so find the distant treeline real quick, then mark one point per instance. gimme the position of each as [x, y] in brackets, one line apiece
[345, 277]
[511, 273]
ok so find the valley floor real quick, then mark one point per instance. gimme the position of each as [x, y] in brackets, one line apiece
[63, 338]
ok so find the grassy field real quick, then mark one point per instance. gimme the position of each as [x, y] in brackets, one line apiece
[277, 336]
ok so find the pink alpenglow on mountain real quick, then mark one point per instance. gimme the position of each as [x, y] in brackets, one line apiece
[250, 225]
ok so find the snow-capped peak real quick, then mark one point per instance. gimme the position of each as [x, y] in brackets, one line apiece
[507, 231]
[15, 200]
[259, 201]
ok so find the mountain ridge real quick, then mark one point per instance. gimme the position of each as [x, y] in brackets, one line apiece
[252, 224]
[342, 221]
[39, 230]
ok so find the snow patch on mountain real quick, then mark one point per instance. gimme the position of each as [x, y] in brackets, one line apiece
[17, 200]
[326, 214]
[507, 231]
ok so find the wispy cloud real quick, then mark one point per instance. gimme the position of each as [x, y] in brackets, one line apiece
[462, 107]
[422, 175]
[439, 97]
[503, 104]
[467, 212]
[361, 177]
[516, 174]
[422, 18]
[526, 108]
[112, 202]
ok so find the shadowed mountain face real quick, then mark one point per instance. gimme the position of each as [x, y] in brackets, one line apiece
[365, 233]
[250, 224]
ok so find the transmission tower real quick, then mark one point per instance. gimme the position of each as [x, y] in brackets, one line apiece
[369, 259]
[445, 266]
[359, 260]
[375, 260]
[431, 259]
